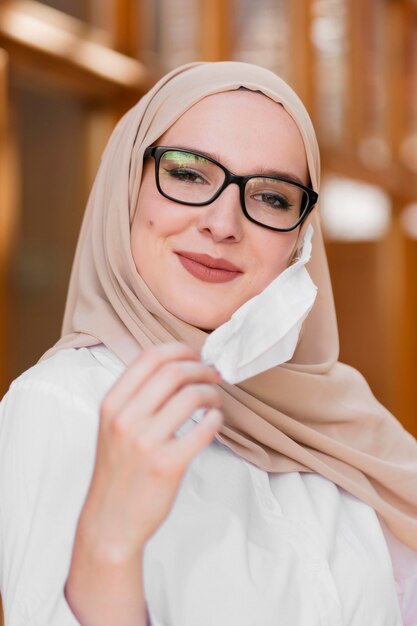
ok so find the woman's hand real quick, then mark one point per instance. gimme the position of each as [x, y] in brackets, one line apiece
[140, 463]
[138, 470]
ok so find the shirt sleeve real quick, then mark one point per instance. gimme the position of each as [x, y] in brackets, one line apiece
[404, 565]
[47, 450]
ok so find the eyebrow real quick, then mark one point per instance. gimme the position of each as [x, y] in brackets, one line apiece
[262, 171]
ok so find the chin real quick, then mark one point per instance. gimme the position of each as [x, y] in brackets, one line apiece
[204, 323]
[204, 320]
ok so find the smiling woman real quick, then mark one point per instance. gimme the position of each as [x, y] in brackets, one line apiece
[147, 485]
[166, 237]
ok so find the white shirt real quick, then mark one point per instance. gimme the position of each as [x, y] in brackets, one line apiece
[240, 547]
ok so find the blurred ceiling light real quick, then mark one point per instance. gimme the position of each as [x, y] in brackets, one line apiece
[353, 210]
[73, 43]
[409, 220]
[108, 63]
[40, 34]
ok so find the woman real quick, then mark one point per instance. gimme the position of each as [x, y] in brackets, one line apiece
[289, 498]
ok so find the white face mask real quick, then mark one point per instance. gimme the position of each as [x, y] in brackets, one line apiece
[265, 330]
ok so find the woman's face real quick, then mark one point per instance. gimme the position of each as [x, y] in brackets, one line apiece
[249, 134]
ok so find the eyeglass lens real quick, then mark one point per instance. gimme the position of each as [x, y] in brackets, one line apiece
[188, 177]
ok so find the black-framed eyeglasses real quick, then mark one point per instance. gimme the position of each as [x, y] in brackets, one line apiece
[195, 179]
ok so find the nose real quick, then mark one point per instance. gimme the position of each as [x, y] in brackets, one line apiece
[223, 218]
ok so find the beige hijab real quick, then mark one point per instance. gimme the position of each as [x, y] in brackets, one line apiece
[312, 414]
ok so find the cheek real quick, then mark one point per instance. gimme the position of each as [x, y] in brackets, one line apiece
[156, 215]
[275, 252]
[147, 216]
[151, 221]
[156, 220]
[142, 227]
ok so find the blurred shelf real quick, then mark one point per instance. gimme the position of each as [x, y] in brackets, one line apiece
[67, 53]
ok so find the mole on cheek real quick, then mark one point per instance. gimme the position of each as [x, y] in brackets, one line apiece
[150, 223]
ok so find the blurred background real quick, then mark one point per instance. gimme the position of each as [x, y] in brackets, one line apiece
[70, 68]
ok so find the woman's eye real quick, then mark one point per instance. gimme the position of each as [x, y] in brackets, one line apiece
[272, 200]
[186, 176]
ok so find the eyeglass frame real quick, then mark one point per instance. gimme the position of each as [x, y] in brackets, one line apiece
[156, 152]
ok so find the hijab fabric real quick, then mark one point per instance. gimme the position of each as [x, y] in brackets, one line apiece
[311, 414]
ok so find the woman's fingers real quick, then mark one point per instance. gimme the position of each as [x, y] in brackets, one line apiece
[162, 426]
[173, 458]
[158, 393]
[136, 374]
[173, 378]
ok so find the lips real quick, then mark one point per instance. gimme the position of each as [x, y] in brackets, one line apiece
[207, 268]
[209, 261]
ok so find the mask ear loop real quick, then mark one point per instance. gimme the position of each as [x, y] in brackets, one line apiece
[299, 244]
[297, 251]
[295, 256]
